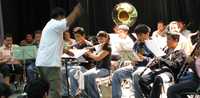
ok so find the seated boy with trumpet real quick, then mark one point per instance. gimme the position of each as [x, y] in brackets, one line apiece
[170, 65]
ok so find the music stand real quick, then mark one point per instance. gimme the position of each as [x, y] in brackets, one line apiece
[66, 61]
[24, 52]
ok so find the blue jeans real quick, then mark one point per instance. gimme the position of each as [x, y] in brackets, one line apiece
[72, 71]
[90, 81]
[118, 76]
[178, 90]
[136, 87]
[31, 72]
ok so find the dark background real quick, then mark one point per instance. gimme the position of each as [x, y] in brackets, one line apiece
[25, 16]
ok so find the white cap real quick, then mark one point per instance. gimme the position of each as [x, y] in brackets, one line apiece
[123, 27]
[173, 33]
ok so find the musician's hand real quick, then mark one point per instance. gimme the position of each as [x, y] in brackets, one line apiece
[140, 56]
[190, 60]
[68, 52]
[87, 53]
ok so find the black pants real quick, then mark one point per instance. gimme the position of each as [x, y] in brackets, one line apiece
[178, 90]
[155, 90]
[152, 77]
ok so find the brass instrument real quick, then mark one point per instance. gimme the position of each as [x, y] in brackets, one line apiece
[124, 13]
[195, 53]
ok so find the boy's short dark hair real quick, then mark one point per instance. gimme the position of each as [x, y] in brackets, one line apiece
[161, 21]
[37, 32]
[7, 35]
[142, 28]
[174, 36]
[56, 12]
[37, 88]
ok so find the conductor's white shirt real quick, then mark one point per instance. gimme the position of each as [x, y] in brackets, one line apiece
[51, 44]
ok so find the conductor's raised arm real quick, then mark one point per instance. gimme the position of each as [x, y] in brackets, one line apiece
[74, 14]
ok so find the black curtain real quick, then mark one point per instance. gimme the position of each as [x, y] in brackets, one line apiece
[1, 25]
[23, 16]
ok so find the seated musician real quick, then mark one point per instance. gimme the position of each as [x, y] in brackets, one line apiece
[170, 64]
[184, 43]
[181, 89]
[160, 35]
[30, 63]
[37, 37]
[68, 41]
[119, 42]
[142, 31]
[102, 69]
[28, 40]
[81, 43]
[9, 66]
[103, 63]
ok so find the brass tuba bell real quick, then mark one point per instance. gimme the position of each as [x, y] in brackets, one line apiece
[124, 13]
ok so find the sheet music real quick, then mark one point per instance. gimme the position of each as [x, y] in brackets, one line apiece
[152, 45]
[77, 53]
[24, 52]
[129, 55]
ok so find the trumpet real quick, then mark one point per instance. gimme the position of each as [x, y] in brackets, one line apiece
[185, 67]
[152, 63]
[157, 62]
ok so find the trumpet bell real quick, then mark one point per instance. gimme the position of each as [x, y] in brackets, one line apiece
[124, 14]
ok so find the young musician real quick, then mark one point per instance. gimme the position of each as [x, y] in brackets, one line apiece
[51, 47]
[84, 61]
[181, 89]
[183, 29]
[160, 35]
[68, 41]
[142, 31]
[103, 63]
[28, 40]
[169, 64]
[9, 65]
[184, 43]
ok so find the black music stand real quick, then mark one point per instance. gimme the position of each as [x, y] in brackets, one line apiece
[66, 61]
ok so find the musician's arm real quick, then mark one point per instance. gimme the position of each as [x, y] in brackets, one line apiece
[74, 14]
[179, 60]
[68, 52]
[99, 56]
[3, 60]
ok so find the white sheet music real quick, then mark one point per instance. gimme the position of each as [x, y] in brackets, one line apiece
[152, 45]
[129, 55]
[77, 53]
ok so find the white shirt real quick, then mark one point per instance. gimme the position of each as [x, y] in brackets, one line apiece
[118, 43]
[161, 41]
[185, 44]
[51, 44]
[186, 33]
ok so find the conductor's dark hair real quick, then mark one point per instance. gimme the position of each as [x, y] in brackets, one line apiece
[56, 12]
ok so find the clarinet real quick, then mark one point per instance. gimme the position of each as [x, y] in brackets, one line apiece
[185, 66]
